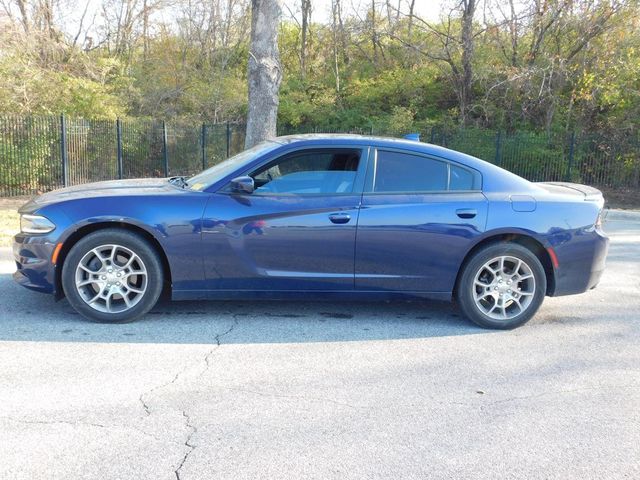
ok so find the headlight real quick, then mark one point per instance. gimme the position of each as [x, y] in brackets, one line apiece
[35, 224]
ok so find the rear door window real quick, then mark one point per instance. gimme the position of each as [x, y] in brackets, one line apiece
[403, 172]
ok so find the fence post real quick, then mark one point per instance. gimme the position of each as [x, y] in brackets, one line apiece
[119, 147]
[228, 140]
[572, 141]
[498, 159]
[432, 139]
[203, 139]
[165, 152]
[63, 150]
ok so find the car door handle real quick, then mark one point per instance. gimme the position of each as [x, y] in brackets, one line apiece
[466, 212]
[340, 217]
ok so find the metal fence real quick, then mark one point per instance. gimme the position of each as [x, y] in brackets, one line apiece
[38, 154]
[605, 162]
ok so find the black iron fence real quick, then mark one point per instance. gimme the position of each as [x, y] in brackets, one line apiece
[38, 154]
[605, 162]
[44, 153]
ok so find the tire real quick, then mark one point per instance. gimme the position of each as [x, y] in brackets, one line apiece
[489, 281]
[112, 276]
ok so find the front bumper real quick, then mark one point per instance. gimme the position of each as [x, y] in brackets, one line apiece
[34, 269]
[581, 261]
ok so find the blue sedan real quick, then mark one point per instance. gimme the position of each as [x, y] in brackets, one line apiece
[318, 216]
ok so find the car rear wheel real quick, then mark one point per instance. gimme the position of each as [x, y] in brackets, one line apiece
[112, 276]
[501, 286]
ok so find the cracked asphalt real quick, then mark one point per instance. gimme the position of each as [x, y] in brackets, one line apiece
[324, 390]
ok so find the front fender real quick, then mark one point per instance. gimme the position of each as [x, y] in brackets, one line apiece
[173, 222]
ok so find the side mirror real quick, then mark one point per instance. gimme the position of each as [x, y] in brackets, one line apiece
[243, 184]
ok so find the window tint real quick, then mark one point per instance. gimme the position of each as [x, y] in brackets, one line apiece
[324, 171]
[463, 179]
[403, 172]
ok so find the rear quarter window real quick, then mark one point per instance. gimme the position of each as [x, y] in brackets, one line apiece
[461, 178]
[406, 172]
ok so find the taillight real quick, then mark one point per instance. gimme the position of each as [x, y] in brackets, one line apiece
[599, 219]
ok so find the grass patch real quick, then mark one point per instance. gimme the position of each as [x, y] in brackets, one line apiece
[9, 226]
[9, 219]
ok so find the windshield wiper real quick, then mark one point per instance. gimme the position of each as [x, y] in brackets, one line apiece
[179, 181]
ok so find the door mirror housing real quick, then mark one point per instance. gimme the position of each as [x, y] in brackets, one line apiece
[244, 184]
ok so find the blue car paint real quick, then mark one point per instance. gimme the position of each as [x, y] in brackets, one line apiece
[222, 245]
[415, 242]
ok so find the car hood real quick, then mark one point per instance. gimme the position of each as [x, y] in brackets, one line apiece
[134, 187]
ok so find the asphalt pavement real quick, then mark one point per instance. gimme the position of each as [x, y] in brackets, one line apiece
[295, 390]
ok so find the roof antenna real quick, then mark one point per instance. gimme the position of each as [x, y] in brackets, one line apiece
[412, 136]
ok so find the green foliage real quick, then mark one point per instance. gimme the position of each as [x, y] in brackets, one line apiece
[370, 72]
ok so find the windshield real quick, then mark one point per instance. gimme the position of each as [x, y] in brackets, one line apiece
[211, 175]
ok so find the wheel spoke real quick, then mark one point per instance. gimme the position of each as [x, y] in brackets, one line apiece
[517, 302]
[481, 295]
[136, 272]
[108, 302]
[87, 269]
[98, 254]
[125, 297]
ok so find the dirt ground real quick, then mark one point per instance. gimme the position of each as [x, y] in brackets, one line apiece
[626, 199]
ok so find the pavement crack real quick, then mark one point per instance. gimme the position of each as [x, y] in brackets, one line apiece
[563, 392]
[207, 357]
[193, 429]
[144, 396]
[75, 423]
[147, 393]
[187, 443]
[228, 331]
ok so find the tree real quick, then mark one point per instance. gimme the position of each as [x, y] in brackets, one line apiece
[453, 43]
[265, 72]
[306, 16]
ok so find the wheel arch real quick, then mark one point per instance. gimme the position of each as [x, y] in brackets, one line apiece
[527, 241]
[89, 228]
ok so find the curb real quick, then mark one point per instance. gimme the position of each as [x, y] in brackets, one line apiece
[6, 254]
[621, 215]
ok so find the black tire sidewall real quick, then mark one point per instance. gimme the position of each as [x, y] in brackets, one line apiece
[129, 240]
[464, 291]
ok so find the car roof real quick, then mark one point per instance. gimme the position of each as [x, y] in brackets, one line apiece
[494, 177]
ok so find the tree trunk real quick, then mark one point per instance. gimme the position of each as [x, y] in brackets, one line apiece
[265, 73]
[411, 7]
[306, 14]
[467, 56]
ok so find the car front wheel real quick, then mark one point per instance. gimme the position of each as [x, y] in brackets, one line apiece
[112, 276]
[502, 286]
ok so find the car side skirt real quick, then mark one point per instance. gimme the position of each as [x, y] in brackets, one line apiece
[306, 295]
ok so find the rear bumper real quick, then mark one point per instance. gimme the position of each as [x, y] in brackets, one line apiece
[34, 269]
[581, 262]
